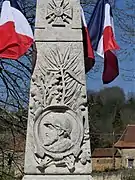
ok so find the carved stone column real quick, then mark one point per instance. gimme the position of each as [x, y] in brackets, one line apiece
[58, 143]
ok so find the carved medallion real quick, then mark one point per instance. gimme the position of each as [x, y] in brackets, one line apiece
[58, 133]
[59, 12]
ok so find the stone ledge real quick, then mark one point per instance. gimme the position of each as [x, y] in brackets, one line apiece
[60, 34]
[57, 177]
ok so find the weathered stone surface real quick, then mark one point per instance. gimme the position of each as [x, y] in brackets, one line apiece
[58, 99]
[58, 177]
[50, 34]
[58, 139]
[54, 13]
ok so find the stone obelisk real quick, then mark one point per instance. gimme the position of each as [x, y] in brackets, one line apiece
[58, 142]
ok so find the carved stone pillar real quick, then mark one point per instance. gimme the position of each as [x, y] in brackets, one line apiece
[58, 143]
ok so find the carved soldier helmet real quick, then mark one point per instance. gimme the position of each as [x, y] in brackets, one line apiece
[60, 121]
[64, 124]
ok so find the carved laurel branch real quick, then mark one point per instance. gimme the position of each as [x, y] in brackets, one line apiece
[59, 82]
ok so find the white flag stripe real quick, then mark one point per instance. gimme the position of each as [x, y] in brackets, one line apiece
[107, 22]
[8, 16]
[21, 24]
[83, 18]
[11, 14]
[100, 49]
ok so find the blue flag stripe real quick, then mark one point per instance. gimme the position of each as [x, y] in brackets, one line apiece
[96, 23]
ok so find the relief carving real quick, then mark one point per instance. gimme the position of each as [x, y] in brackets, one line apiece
[60, 80]
[59, 12]
[58, 134]
[58, 108]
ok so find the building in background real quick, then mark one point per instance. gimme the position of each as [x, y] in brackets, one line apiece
[126, 146]
[104, 159]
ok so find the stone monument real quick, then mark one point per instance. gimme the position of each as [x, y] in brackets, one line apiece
[58, 142]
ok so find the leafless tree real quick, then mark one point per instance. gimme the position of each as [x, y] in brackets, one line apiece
[15, 75]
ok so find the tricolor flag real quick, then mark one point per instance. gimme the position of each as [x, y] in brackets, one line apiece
[88, 51]
[101, 31]
[16, 35]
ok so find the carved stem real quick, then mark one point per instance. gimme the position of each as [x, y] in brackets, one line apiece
[44, 95]
[63, 84]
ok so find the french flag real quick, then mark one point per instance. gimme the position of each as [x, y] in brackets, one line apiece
[103, 41]
[88, 51]
[16, 33]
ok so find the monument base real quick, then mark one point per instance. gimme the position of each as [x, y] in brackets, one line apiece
[57, 177]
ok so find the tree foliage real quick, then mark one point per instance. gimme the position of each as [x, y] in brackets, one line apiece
[109, 112]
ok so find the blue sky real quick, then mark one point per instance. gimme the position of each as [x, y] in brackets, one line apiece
[126, 55]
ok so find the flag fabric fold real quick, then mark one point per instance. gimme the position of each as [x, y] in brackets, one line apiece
[101, 30]
[88, 51]
[16, 34]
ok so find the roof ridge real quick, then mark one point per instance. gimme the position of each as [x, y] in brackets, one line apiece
[126, 137]
[131, 125]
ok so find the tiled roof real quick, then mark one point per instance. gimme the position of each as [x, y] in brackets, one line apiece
[105, 152]
[127, 140]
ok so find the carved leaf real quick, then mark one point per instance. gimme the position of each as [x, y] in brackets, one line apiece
[73, 60]
[60, 58]
[55, 57]
[74, 76]
[50, 63]
[71, 93]
[66, 59]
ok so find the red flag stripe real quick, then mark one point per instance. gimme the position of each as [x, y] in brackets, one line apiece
[12, 44]
[16, 33]
[88, 51]
[111, 69]
[109, 42]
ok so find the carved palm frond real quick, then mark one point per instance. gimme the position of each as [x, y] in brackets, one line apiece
[61, 73]
[51, 62]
